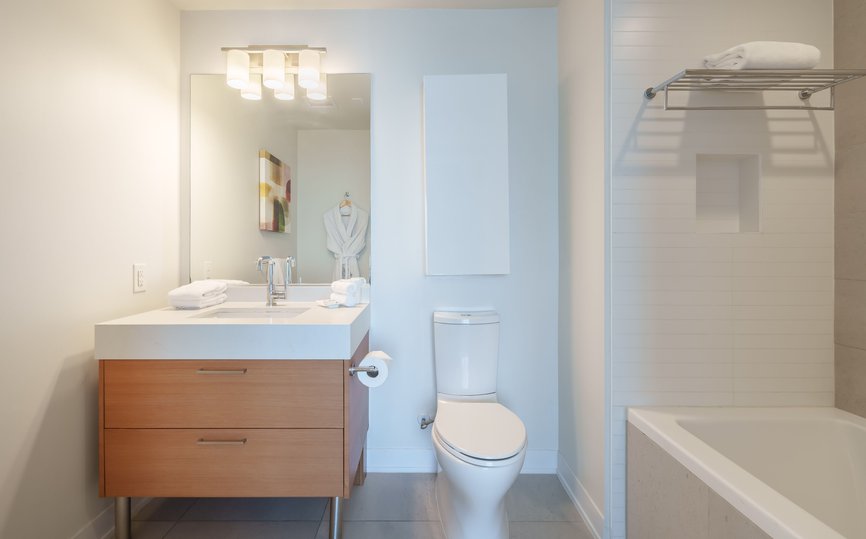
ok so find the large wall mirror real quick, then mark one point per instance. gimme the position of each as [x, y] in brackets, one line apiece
[266, 176]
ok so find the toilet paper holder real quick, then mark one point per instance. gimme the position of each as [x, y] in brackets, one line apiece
[372, 372]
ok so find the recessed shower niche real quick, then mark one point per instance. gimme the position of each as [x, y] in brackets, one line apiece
[727, 193]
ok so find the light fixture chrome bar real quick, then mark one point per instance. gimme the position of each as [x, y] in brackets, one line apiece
[259, 49]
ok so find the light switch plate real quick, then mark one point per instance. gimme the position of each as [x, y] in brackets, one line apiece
[138, 281]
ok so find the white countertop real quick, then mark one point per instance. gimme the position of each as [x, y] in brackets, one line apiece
[169, 333]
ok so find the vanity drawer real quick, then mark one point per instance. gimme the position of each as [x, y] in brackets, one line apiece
[224, 462]
[223, 394]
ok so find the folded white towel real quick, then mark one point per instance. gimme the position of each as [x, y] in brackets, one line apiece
[198, 289]
[765, 55]
[347, 287]
[343, 299]
[199, 303]
[231, 282]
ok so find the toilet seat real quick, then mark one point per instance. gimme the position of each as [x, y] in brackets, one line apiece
[482, 431]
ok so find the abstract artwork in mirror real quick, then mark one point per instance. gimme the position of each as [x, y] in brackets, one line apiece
[324, 149]
[275, 193]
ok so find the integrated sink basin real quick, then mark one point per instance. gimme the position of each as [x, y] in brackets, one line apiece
[273, 313]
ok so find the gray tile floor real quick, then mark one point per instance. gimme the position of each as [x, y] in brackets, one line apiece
[387, 506]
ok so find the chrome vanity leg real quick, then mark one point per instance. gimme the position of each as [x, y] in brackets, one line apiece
[335, 527]
[122, 518]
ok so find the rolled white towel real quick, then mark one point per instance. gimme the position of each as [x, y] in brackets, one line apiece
[197, 290]
[198, 303]
[348, 287]
[343, 299]
[765, 55]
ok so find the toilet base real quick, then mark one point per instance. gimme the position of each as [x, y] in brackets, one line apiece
[466, 522]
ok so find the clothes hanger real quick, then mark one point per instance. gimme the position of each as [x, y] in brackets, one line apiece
[346, 205]
[346, 200]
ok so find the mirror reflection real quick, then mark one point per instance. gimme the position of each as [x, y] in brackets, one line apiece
[280, 178]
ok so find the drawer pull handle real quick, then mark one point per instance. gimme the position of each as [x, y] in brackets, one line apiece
[222, 371]
[202, 441]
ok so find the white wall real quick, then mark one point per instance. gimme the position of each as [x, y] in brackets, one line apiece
[224, 218]
[398, 48]
[716, 319]
[582, 255]
[89, 168]
[331, 162]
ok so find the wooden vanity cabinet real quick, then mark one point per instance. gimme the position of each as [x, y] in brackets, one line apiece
[224, 428]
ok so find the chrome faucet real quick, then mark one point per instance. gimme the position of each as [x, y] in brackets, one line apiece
[290, 263]
[271, 293]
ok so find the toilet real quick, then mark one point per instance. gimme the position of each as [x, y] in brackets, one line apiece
[480, 444]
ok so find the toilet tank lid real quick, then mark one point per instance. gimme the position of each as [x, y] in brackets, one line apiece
[466, 317]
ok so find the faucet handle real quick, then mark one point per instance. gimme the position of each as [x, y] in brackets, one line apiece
[260, 263]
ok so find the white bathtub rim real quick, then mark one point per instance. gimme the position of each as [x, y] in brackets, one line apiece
[771, 511]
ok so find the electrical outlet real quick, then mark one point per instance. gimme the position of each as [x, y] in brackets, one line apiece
[138, 281]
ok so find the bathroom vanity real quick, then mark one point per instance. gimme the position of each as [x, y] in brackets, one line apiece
[236, 400]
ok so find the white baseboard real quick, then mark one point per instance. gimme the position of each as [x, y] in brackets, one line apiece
[406, 460]
[587, 508]
[102, 526]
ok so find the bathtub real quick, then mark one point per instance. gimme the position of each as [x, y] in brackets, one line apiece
[793, 472]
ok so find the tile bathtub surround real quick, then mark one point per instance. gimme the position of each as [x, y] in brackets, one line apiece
[666, 500]
[387, 506]
[850, 216]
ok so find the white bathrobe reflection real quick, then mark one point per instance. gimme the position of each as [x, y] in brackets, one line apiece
[346, 226]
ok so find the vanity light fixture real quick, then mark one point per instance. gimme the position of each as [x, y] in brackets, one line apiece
[237, 68]
[275, 66]
[253, 90]
[308, 69]
[287, 92]
[320, 91]
[273, 69]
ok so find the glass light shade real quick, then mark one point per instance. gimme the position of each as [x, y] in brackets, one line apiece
[287, 92]
[320, 92]
[237, 69]
[308, 68]
[273, 68]
[253, 90]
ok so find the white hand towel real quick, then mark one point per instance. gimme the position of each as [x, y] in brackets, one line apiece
[198, 289]
[765, 55]
[347, 287]
[199, 303]
[342, 299]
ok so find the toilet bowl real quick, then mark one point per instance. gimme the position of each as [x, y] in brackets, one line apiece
[480, 448]
[480, 444]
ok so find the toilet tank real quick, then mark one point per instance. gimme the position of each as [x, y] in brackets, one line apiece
[466, 351]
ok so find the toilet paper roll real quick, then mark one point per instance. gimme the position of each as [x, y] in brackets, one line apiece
[378, 359]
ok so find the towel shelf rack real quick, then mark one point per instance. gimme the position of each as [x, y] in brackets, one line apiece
[805, 82]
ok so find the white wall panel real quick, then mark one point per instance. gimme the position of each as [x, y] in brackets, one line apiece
[466, 174]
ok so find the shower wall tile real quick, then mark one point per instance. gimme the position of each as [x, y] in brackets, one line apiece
[851, 379]
[851, 313]
[851, 245]
[850, 178]
[850, 222]
[716, 319]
